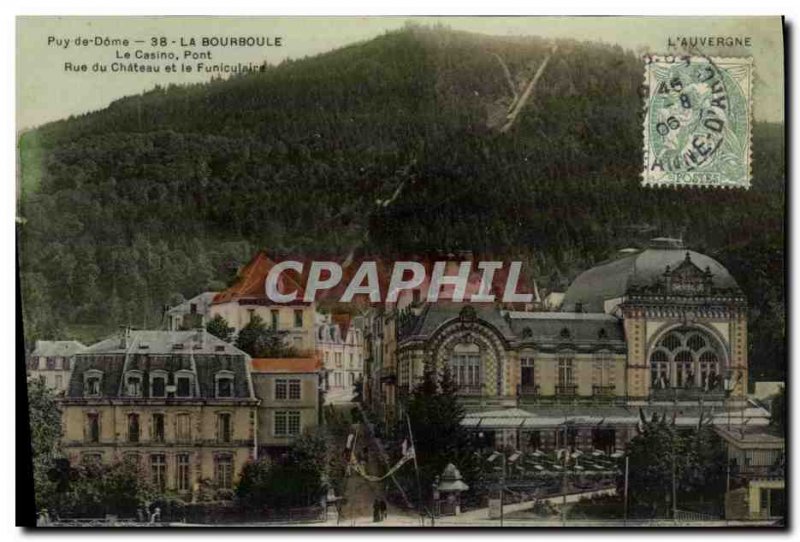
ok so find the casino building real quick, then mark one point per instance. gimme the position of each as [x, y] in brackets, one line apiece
[661, 329]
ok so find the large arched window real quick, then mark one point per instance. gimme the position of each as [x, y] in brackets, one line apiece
[465, 367]
[686, 358]
[659, 369]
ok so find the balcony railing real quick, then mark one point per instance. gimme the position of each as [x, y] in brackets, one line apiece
[686, 394]
[566, 390]
[603, 391]
[528, 390]
[470, 389]
[758, 471]
[388, 374]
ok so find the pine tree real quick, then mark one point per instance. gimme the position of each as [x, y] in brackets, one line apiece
[435, 414]
[261, 341]
[218, 327]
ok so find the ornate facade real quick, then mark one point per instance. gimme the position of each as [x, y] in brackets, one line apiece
[181, 403]
[659, 329]
[247, 298]
[340, 346]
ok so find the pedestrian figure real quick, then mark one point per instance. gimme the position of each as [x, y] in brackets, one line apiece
[382, 504]
[376, 511]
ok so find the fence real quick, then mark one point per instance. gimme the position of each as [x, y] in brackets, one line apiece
[689, 515]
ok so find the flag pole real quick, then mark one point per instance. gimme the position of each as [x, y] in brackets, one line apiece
[416, 466]
[626, 490]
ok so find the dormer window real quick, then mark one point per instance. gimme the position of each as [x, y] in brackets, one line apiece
[183, 384]
[92, 382]
[158, 384]
[224, 384]
[133, 384]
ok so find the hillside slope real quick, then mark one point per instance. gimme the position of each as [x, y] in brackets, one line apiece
[386, 146]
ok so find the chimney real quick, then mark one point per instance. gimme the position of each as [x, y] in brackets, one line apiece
[124, 337]
[200, 337]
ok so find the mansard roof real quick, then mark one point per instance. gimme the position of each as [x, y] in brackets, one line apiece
[639, 268]
[564, 327]
[434, 315]
[203, 301]
[197, 352]
[57, 348]
[544, 329]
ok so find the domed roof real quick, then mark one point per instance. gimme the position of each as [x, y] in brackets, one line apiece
[610, 280]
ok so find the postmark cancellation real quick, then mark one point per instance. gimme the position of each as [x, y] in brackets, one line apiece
[697, 127]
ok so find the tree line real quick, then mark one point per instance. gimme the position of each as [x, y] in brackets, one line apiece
[383, 147]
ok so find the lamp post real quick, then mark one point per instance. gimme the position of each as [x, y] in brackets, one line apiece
[502, 480]
[729, 384]
[434, 499]
[625, 520]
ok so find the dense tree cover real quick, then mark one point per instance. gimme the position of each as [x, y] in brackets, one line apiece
[45, 425]
[94, 489]
[662, 455]
[261, 341]
[435, 415]
[296, 480]
[385, 147]
[218, 327]
[778, 411]
[89, 490]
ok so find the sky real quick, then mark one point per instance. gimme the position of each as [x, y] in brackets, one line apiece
[46, 92]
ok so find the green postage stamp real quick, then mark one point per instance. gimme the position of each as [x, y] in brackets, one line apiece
[697, 127]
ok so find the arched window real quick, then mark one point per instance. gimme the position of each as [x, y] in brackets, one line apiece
[696, 342]
[709, 370]
[224, 384]
[659, 369]
[184, 383]
[683, 369]
[686, 358]
[92, 383]
[465, 367]
[133, 383]
[671, 341]
[158, 383]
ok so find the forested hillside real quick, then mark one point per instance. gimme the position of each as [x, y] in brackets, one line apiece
[386, 146]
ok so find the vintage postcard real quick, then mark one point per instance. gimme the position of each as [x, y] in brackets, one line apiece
[402, 271]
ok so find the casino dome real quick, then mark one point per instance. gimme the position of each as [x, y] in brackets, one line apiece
[644, 267]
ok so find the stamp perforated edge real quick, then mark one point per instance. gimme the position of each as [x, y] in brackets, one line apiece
[745, 61]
